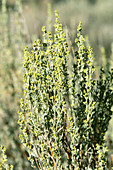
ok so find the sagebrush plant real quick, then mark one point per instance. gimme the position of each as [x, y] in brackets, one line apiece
[64, 113]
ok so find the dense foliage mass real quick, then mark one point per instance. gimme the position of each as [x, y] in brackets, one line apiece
[65, 113]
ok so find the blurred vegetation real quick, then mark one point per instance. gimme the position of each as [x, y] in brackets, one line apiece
[20, 24]
[96, 16]
[12, 41]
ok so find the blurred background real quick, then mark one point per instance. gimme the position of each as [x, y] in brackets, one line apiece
[20, 24]
[96, 17]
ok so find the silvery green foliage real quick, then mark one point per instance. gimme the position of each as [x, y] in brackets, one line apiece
[64, 116]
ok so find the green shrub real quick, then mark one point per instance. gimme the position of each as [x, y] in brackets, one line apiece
[65, 113]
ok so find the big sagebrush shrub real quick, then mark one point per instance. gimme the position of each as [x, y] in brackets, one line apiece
[64, 113]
